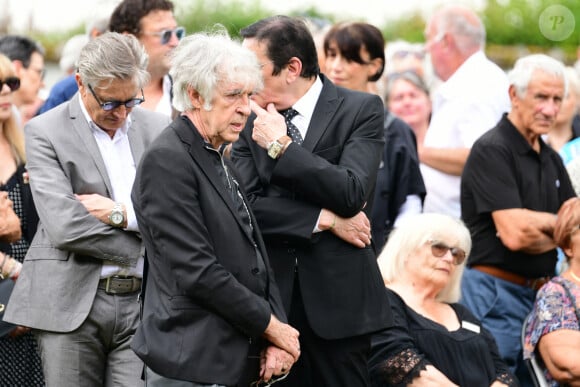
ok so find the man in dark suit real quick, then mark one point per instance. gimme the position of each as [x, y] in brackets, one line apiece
[211, 306]
[80, 280]
[312, 201]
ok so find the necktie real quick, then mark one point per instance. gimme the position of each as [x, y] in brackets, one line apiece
[293, 131]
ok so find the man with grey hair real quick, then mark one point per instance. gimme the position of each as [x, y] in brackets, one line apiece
[469, 102]
[512, 187]
[82, 274]
[66, 88]
[209, 287]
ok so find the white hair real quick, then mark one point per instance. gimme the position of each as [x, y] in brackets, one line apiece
[201, 61]
[411, 235]
[525, 67]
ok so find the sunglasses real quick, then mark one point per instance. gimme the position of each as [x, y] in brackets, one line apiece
[12, 82]
[111, 105]
[439, 249]
[165, 35]
[402, 54]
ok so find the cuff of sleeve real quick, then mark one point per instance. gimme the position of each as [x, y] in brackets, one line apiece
[131, 218]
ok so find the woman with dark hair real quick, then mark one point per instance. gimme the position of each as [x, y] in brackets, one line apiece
[355, 57]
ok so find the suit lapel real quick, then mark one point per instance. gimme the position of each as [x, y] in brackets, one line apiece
[326, 106]
[135, 138]
[81, 127]
[188, 134]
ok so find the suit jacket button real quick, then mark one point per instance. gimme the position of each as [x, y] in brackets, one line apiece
[255, 271]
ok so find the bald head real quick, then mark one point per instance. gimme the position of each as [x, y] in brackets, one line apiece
[463, 25]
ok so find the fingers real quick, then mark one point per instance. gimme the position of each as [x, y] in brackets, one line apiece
[257, 109]
[283, 336]
[269, 368]
[273, 362]
[271, 108]
[5, 202]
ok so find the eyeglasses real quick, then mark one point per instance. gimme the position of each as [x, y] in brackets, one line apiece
[111, 105]
[12, 82]
[275, 379]
[402, 54]
[41, 72]
[166, 34]
[439, 249]
[410, 76]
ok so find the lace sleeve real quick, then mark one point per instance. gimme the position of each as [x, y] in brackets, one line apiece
[400, 369]
[507, 378]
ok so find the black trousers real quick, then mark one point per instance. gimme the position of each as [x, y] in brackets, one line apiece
[325, 363]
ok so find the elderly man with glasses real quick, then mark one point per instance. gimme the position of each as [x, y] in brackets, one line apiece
[81, 278]
[153, 24]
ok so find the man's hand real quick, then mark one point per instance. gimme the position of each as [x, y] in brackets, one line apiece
[98, 206]
[273, 362]
[10, 230]
[269, 125]
[568, 220]
[283, 336]
[355, 230]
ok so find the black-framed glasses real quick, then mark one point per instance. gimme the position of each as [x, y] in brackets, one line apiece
[12, 82]
[439, 249]
[165, 35]
[111, 105]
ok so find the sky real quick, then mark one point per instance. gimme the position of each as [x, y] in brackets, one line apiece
[50, 15]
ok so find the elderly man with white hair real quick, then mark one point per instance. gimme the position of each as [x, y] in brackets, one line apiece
[512, 187]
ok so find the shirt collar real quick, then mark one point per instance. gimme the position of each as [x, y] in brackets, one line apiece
[306, 104]
[518, 141]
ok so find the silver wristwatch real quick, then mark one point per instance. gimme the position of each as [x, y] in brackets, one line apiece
[117, 217]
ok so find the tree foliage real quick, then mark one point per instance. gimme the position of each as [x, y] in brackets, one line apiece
[203, 15]
[508, 22]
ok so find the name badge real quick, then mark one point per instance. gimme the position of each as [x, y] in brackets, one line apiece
[470, 326]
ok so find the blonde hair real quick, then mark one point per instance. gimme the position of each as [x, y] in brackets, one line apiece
[10, 127]
[414, 232]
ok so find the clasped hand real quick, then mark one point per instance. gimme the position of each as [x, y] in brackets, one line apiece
[10, 230]
[97, 205]
[278, 358]
[355, 230]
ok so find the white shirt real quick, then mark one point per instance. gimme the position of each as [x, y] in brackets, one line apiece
[164, 104]
[305, 107]
[118, 159]
[467, 105]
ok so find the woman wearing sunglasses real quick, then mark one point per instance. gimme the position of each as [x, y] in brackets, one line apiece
[19, 359]
[433, 340]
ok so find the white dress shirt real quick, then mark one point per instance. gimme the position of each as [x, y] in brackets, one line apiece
[467, 105]
[118, 159]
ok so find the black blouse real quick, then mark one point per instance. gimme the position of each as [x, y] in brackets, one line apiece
[467, 356]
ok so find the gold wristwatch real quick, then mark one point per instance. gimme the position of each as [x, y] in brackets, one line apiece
[274, 149]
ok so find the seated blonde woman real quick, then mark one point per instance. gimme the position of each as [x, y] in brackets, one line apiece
[553, 327]
[434, 341]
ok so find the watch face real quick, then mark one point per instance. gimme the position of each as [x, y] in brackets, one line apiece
[117, 217]
[274, 149]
